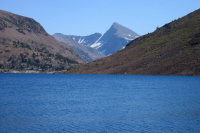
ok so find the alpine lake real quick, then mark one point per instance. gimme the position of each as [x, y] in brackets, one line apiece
[66, 103]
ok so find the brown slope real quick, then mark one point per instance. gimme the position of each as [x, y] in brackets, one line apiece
[25, 45]
[173, 49]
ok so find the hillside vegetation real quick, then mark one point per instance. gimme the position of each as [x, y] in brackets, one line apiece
[26, 46]
[173, 49]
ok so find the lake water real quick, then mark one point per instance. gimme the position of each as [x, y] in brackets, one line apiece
[99, 103]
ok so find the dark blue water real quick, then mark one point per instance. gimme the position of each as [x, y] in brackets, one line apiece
[98, 103]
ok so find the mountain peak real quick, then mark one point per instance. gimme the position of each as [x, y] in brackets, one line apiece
[117, 25]
[123, 31]
[114, 39]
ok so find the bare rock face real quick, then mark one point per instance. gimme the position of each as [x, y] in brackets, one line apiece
[115, 39]
[84, 40]
[80, 44]
[25, 45]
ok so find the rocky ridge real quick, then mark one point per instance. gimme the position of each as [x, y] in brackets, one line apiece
[79, 44]
[25, 45]
[114, 39]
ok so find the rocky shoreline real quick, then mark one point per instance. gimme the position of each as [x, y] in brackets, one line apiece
[24, 71]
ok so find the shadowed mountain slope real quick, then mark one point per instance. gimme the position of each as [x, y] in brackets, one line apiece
[25, 45]
[116, 38]
[173, 49]
[85, 40]
[78, 44]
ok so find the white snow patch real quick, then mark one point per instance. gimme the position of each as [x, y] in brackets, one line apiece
[81, 40]
[96, 45]
[128, 38]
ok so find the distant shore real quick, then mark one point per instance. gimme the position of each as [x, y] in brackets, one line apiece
[24, 71]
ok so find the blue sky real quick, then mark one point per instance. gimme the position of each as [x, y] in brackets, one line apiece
[85, 17]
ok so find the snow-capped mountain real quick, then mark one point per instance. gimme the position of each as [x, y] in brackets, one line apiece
[116, 38]
[87, 53]
[85, 40]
